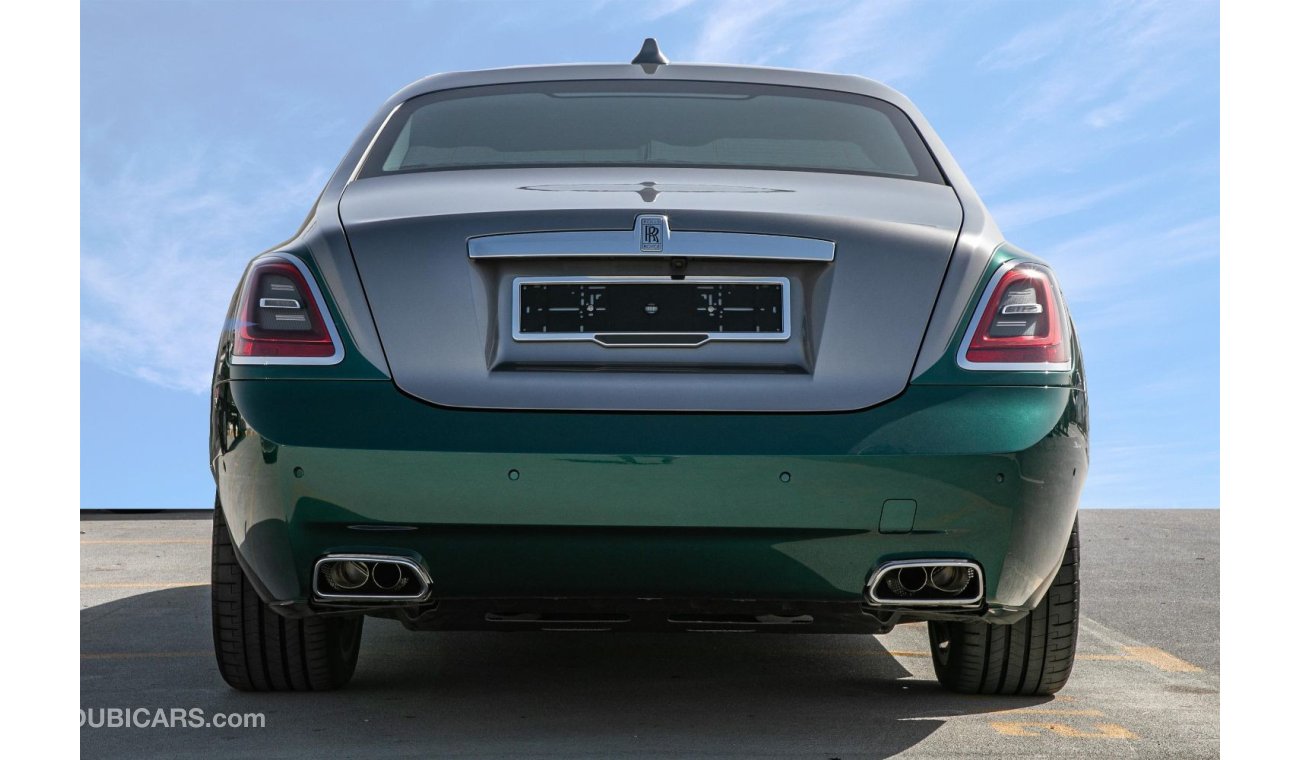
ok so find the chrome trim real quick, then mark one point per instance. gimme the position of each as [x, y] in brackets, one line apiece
[604, 340]
[278, 303]
[594, 337]
[419, 571]
[269, 361]
[627, 243]
[979, 312]
[967, 601]
[373, 139]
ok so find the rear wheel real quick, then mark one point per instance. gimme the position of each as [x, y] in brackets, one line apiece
[260, 650]
[1031, 656]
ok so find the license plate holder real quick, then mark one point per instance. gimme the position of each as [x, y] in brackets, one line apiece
[651, 311]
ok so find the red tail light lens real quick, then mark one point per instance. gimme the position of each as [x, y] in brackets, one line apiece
[281, 318]
[1021, 323]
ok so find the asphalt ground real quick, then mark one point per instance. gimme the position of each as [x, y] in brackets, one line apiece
[1146, 683]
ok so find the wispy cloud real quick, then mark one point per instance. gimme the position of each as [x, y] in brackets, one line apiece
[1032, 44]
[854, 31]
[163, 247]
[892, 41]
[654, 11]
[1026, 211]
[640, 10]
[735, 31]
[1114, 56]
[1076, 81]
[887, 40]
[1100, 263]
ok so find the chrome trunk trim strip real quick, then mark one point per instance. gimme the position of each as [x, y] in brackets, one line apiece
[627, 243]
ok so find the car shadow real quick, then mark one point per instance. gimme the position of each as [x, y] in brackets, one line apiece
[512, 694]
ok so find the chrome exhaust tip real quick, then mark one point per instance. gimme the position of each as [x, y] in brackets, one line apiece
[346, 574]
[370, 578]
[950, 579]
[906, 581]
[927, 583]
[389, 576]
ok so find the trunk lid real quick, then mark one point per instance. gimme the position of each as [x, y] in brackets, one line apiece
[854, 323]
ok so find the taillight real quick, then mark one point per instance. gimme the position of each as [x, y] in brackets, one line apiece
[1020, 323]
[281, 317]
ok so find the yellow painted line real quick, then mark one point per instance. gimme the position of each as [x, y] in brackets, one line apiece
[893, 653]
[139, 655]
[1161, 659]
[1053, 711]
[1035, 728]
[89, 541]
[1149, 655]
[144, 585]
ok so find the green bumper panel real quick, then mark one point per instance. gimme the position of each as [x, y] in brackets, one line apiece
[541, 504]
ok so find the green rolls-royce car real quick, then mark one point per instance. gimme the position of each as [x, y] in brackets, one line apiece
[648, 346]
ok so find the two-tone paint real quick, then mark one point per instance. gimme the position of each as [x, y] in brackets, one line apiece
[506, 484]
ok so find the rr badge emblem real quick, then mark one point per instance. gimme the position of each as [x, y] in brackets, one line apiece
[653, 232]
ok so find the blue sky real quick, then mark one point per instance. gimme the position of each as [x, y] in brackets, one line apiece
[1091, 130]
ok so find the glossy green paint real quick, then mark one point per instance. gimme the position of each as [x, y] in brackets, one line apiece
[898, 516]
[924, 420]
[650, 504]
[789, 506]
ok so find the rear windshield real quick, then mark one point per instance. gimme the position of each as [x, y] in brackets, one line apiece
[652, 124]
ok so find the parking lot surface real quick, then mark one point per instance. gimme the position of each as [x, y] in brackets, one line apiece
[1146, 683]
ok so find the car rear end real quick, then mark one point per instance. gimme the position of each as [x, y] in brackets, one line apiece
[696, 348]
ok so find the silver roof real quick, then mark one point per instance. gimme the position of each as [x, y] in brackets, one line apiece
[673, 71]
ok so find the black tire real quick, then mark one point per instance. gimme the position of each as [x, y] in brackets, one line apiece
[260, 650]
[1032, 656]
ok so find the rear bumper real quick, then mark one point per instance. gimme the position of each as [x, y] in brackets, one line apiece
[776, 508]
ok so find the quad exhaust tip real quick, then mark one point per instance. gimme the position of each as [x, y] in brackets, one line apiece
[927, 583]
[370, 578]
